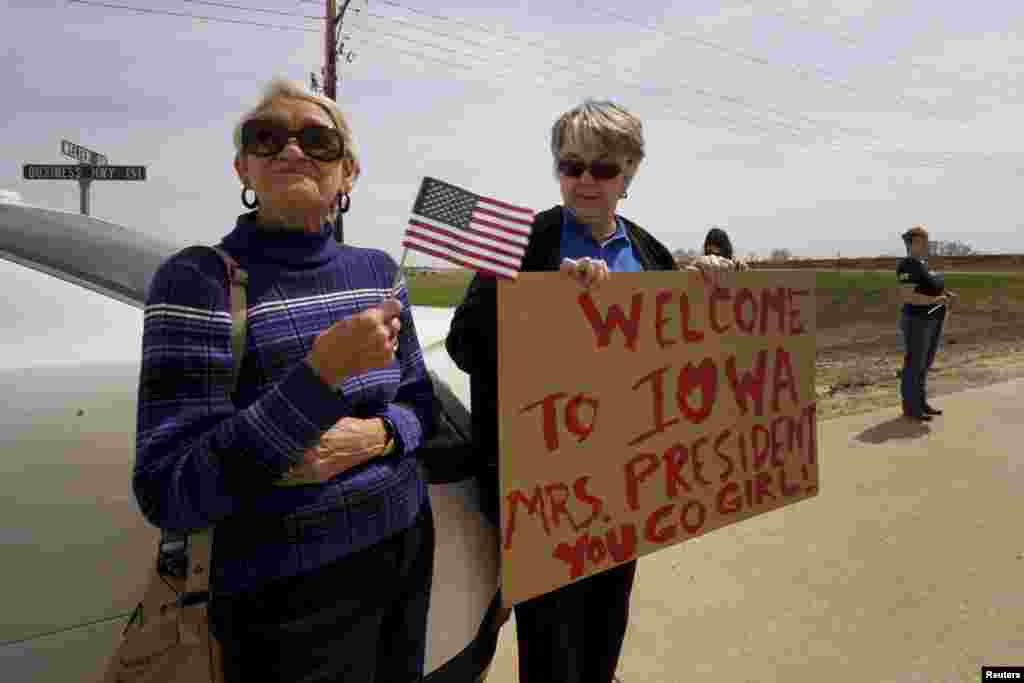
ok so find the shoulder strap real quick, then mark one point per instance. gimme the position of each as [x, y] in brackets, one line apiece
[237, 279]
[200, 544]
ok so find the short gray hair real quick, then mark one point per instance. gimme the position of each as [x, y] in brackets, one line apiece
[603, 125]
[282, 88]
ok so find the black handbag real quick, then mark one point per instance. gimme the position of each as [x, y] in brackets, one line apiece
[447, 455]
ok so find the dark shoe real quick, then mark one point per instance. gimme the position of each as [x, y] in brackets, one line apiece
[928, 410]
[919, 417]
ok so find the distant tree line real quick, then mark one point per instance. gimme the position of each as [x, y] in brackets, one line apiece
[935, 248]
[943, 248]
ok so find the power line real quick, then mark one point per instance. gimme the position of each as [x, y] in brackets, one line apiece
[492, 79]
[702, 92]
[225, 5]
[853, 42]
[793, 131]
[814, 72]
[717, 122]
[592, 78]
[220, 20]
[789, 117]
[560, 67]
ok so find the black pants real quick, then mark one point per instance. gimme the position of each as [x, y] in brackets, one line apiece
[575, 634]
[362, 619]
[921, 336]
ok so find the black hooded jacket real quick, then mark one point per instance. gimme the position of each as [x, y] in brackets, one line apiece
[472, 341]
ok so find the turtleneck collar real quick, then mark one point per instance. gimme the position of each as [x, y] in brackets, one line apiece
[254, 243]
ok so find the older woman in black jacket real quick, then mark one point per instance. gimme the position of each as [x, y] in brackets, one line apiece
[574, 634]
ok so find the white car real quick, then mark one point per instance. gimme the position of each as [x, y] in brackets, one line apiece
[75, 549]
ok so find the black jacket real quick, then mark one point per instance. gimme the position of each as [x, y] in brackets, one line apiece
[914, 271]
[472, 341]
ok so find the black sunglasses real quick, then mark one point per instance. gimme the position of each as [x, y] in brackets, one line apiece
[600, 170]
[267, 138]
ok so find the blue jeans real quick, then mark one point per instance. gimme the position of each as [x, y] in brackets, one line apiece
[920, 342]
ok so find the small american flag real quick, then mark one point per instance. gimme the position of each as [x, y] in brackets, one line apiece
[467, 229]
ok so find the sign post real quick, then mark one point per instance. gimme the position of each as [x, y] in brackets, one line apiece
[91, 166]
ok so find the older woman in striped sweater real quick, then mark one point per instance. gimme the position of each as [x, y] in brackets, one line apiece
[329, 579]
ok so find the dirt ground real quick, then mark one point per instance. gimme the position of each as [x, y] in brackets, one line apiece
[859, 362]
[860, 347]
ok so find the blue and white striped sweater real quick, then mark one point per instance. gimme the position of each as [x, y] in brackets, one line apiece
[204, 459]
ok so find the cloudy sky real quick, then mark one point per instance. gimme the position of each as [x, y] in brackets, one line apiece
[820, 127]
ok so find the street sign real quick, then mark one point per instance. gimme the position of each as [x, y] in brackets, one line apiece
[118, 172]
[86, 156]
[79, 172]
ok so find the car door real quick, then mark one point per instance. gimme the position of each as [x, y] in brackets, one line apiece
[74, 544]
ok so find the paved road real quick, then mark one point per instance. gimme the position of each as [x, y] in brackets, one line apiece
[907, 567]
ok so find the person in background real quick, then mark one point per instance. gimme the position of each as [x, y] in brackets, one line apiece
[573, 634]
[718, 254]
[323, 539]
[925, 302]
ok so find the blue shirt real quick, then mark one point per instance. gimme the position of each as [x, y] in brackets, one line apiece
[616, 251]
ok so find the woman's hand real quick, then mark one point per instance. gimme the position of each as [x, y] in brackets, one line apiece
[350, 442]
[586, 271]
[711, 268]
[360, 343]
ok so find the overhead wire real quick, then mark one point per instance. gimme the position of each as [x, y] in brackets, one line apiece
[702, 92]
[736, 100]
[146, 10]
[788, 118]
[816, 72]
[852, 41]
[586, 83]
[486, 60]
[744, 128]
[794, 131]
[225, 5]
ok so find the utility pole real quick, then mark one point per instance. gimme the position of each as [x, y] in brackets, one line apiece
[332, 27]
[331, 50]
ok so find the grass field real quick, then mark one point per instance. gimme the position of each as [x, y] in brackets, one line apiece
[446, 288]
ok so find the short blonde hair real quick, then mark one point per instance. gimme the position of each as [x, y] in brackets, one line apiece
[280, 88]
[600, 124]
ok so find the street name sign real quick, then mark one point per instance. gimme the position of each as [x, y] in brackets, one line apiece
[80, 172]
[82, 154]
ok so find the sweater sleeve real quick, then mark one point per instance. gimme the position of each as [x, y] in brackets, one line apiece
[412, 410]
[195, 451]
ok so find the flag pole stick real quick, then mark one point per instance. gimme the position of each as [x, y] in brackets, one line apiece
[398, 273]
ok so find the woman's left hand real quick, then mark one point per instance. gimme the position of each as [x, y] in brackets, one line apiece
[350, 442]
[586, 271]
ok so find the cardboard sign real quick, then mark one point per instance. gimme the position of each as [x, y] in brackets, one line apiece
[645, 413]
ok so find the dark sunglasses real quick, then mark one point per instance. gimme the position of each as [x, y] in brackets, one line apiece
[600, 170]
[267, 138]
